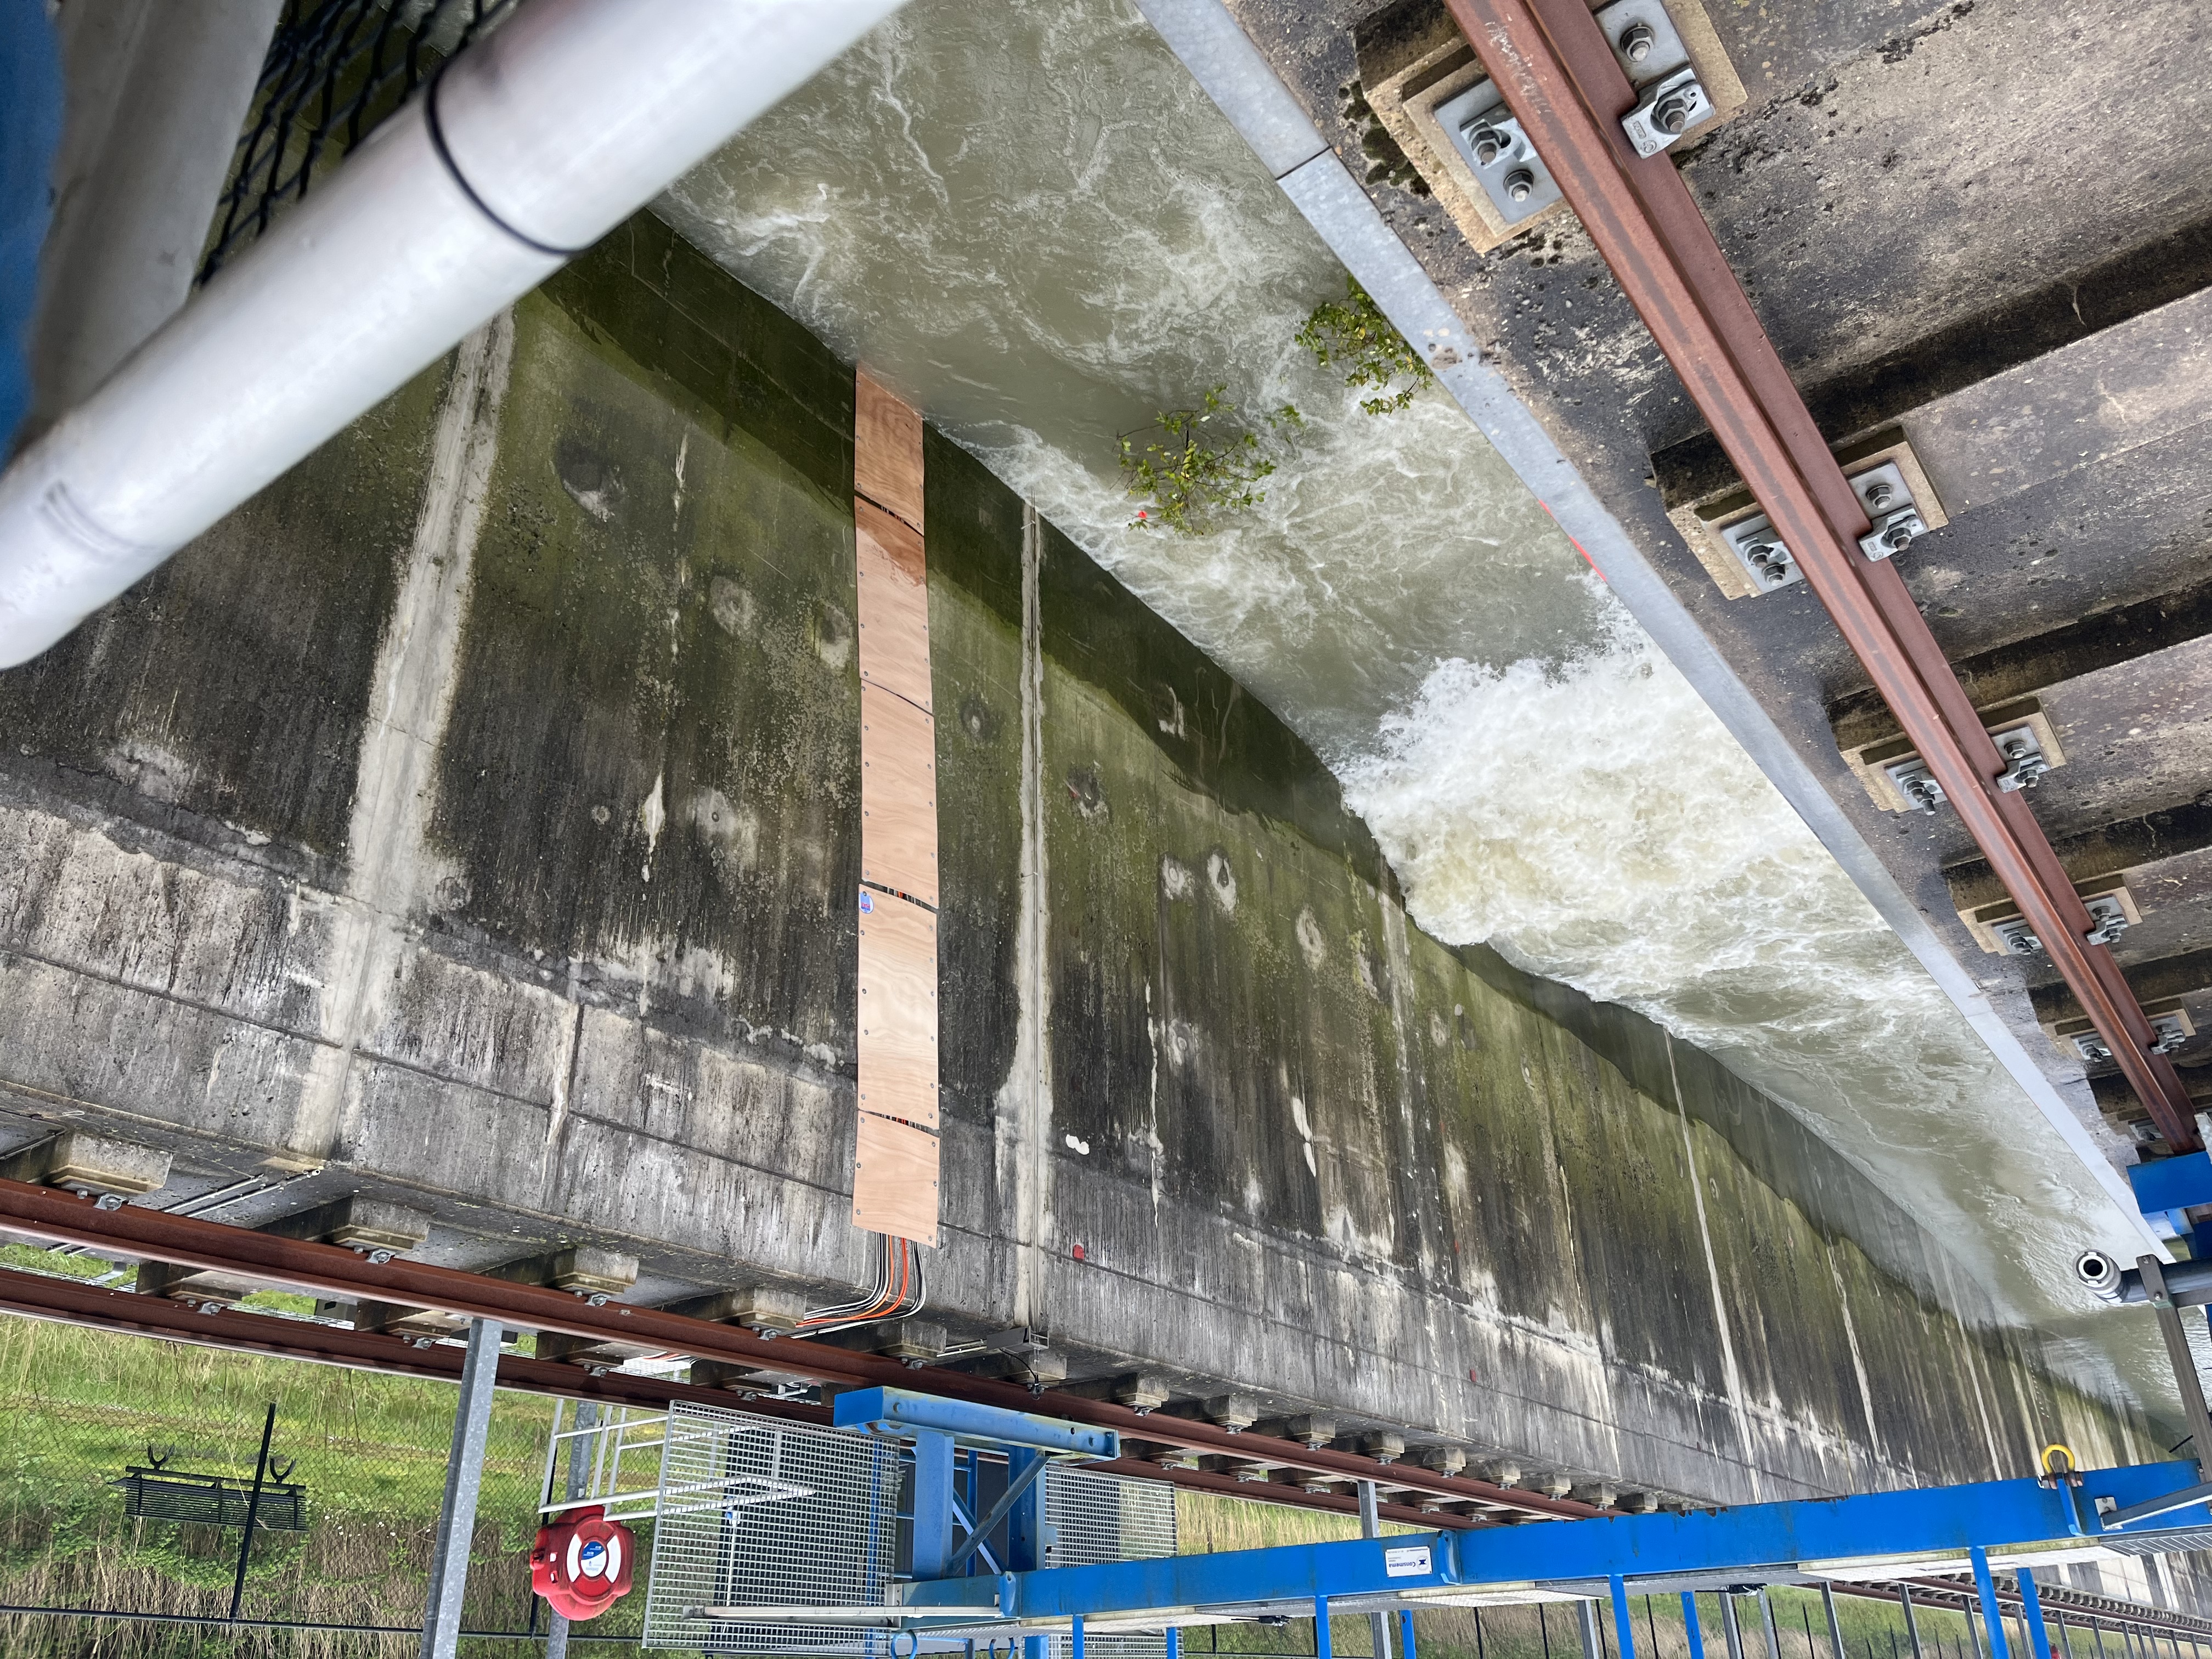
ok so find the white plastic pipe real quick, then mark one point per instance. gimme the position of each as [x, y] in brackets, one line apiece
[558, 126]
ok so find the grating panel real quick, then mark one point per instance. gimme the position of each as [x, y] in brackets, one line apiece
[757, 1511]
[1097, 1518]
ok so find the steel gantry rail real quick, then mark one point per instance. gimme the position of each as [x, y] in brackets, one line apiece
[1559, 77]
[331, 1270]
[44, 1297]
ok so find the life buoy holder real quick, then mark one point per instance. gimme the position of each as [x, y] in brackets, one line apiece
[581, 1562]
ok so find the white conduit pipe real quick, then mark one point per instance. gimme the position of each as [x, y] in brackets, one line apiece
[538, 141]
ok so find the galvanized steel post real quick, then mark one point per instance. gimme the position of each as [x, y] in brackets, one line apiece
[457, 1517]
[1371, 1526]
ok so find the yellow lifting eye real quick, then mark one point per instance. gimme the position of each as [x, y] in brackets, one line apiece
[2058, 1458]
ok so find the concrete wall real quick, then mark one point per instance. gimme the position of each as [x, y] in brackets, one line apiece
[472, 819]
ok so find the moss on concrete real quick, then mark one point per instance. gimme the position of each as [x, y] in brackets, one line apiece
[653, 760]
[226, 693]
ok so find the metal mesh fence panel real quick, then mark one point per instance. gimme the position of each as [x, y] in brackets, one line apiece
[1099, 1518]
[765, 1513]
[336, 69]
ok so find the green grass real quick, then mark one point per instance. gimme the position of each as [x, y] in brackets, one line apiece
[77, 1406]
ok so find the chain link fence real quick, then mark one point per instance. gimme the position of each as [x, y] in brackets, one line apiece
[364, 1453]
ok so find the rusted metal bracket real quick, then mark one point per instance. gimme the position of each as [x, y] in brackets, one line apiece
[1560, 79]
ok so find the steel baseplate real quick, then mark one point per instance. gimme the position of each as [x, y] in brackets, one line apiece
[1667, 112]
[1761, 553]
[1671, 101]
[1715, 520]
[1489, 139]
[2170, 1029]
[1899, 780]
[2001, 930]
[1425, 88]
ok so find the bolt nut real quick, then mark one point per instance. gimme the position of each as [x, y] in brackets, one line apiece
[1488, 144]
[108, 1201]
[1671, 114]
[1520, 185]
[1637, 41]
[1879, 494]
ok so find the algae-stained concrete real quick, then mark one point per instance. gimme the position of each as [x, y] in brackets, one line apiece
[472, 820]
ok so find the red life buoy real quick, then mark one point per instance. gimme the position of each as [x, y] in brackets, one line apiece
[581, 1562]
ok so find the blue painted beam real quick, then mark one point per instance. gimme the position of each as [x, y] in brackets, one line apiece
[1752, 1537]
[901, 1412]
[2173, 1183]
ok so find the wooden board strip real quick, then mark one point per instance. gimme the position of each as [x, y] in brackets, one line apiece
[898, 1009]
[886, 451]
[895, 1150]
[894, 584]
[894, 1175]
[898, 796]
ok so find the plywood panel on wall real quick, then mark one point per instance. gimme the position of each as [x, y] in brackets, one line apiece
[894, 584]
[886, 451]
[899, 795]
[895, 1174]
[898, 1009]
[895, 1162]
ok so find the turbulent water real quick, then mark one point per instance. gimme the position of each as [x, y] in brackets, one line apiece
[1026, 216]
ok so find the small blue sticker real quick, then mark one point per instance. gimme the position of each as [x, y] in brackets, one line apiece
[867, 904]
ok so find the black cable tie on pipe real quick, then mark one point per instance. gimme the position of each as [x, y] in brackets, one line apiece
[446, 156]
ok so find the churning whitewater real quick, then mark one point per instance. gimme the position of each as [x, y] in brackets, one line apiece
[1026, 216]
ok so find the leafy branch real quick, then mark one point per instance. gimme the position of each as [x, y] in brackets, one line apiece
[1205, 462]
[1356, 335]
[1200, 464]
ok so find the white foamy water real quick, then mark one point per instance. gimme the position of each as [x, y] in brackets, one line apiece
[1024, 216]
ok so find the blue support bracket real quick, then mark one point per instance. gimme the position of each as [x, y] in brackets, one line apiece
[901, 1412]
[1690, 1625]
[933, 1470]
[1624, 1627]
[2031, 1614]
[1992, 1615]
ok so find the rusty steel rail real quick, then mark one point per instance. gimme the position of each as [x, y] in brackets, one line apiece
[136, 1232]
[38, 1296]
[1559, 76]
